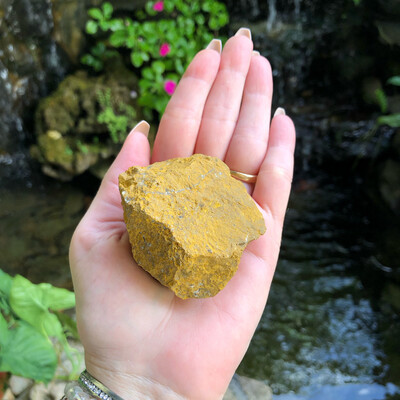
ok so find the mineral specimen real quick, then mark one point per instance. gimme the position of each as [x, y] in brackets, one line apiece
[188, 222]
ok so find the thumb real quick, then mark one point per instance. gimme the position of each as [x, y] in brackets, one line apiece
[105, 210]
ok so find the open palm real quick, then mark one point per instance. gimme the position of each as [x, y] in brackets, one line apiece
[136, 333]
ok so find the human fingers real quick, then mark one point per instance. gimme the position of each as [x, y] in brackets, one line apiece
[105, 213]
[274, 179]
[179, 126]
[247, 148]
[223, 104]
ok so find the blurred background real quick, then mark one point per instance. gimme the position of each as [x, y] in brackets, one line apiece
[76, 75]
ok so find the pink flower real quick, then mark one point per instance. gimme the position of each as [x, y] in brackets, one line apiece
[158, 6]
[169, 87]
[164, 49]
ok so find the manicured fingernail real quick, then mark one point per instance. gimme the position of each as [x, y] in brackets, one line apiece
[244, 32]
[142, 127]
[256, 53]
[280, 111]
[216, 45]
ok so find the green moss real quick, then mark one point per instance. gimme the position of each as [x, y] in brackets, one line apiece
[84, 121]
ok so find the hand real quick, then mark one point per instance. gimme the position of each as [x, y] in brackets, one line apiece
[139, 339]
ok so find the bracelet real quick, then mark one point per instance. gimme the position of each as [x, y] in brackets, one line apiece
[88, 388]
[96, 388]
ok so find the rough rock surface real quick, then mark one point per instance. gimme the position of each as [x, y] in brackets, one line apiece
[188, 222]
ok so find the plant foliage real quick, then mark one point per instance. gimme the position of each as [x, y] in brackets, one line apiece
[33, 329]
[159, 42]
[392, 120]
[117, 117]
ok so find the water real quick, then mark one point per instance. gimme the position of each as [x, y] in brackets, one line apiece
[319, 334]
[37, 219]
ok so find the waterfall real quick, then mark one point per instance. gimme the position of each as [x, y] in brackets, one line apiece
[272, 13]
[297, 4]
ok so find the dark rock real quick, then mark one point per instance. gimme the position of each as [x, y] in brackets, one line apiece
[389, 185]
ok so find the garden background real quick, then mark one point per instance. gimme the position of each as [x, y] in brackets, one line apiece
[76, 75]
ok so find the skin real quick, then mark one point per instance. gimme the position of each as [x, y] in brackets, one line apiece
[140, 340]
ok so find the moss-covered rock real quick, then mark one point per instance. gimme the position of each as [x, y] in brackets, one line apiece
[71, 138]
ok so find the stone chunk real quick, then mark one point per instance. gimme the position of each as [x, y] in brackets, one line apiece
[188, 222]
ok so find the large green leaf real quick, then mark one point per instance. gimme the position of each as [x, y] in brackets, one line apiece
[5, 283]
[107, 10]
[96, 13]
[393, 120]
[25, 352]
[32, 303]
[394, 80]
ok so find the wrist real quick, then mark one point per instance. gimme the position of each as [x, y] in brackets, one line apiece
[130, 386]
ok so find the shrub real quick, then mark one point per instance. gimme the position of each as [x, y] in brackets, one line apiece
[33, 329]
[159, 43]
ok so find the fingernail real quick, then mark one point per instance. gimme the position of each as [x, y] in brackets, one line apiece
[280, 111]
[216, 45]
[244, 32]
[142, 127]
[256, 53]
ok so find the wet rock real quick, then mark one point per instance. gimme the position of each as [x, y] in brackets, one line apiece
[188, 222]
[30, 63]
[389, 185]
[18, 384]
[391, 295]
[70, 138]
[69, 18]
[40, 392]
[8, 395]
[56, 389]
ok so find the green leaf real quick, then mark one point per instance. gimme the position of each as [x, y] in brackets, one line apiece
[392, 120]
[93, 62]
[158, 67]
[5, 283]
[32, 303]
[169, 5]
[99, 49]
[149, 8]
[116, 25]
[96, 13]
[91, 27]
[394, 80]
[145, 56]
[381, 99]
[68, 324]
[179, 66]
[136, 59]
[118, 38]
[107, 10]
[24, 352]
[200, 19]
[146, 100]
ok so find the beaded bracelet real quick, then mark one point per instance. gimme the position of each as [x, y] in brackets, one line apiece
[88, 388]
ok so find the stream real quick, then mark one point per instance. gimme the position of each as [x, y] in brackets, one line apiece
[319, 336]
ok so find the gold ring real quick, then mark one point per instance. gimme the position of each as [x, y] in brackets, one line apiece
[244, 177]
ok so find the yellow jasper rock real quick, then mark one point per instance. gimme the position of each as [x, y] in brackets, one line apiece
[188, 222]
